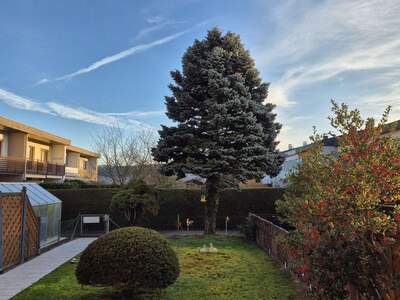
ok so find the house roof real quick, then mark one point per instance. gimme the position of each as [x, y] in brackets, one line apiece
[14, 125]
[327, 141]
[333, 141]
[82, 151]
[392, 126]
[36, 194]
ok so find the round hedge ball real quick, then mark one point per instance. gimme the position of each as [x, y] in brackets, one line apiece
[132, 258]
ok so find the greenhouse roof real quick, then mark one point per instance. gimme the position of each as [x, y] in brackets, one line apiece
[36, 194]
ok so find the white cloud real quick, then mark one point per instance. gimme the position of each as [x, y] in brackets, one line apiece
[346, 47]
[125, 120]
[324, 39]
[138, 114]
[113, 58]
[157, 19]
[41, 81]
[156, 23]
[21, 102]
[277, 95]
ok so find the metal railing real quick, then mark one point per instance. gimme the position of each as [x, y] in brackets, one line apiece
[9, 165]
[44, 168]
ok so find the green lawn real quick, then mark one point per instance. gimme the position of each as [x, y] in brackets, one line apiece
[239, 271]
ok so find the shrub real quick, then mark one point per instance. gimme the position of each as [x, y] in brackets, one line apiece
[135, 200]
[345, 210]
[130, 259]
[248, 229]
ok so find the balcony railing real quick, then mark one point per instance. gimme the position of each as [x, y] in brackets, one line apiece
[80, 173]
[44, 168]
[15, 166]
[10, 165]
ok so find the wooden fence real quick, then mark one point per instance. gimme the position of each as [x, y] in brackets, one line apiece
[268, 236]
[19, 230]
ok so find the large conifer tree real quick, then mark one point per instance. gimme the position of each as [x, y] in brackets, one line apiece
[224, 128]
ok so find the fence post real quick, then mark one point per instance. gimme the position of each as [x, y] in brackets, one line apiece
[24, 198]
[1, 234]
[38, 235]
[107, 223]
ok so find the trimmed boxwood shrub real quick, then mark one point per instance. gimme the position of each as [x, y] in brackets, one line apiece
[132, 258]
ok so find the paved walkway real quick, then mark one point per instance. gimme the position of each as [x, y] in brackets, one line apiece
[23, 276]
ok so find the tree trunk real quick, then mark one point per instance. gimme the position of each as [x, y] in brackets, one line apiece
[131, 216]
[211, 207]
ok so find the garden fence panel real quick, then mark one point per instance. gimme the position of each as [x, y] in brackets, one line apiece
[13, 214]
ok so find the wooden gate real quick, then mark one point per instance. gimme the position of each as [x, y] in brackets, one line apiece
[19, 229]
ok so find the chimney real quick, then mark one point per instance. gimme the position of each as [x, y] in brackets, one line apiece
[305, 143]
[290, 146]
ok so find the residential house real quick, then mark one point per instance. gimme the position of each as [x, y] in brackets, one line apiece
[293, 156]
[28, 153]
[81, 164]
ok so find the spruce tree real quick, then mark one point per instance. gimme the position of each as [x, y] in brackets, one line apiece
[223, 127]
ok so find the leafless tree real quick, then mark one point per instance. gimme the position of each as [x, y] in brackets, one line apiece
[125, 155]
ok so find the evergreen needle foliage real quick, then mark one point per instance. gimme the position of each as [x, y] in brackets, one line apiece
[224, 129]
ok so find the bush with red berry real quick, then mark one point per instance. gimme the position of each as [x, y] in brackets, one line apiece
[345, 208]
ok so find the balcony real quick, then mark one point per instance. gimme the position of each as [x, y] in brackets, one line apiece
[80, 173]
[44, 168]
[9, 165]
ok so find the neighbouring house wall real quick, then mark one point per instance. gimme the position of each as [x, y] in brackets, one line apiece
[38, 148]
[73, 159]
[4, 144]
[251, 184]
[289, 165]
[92, 161]
[58, 154]
[17, 144]
[81, 162]
[395, 134]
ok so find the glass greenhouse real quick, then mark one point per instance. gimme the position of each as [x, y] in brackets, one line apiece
[46, 206]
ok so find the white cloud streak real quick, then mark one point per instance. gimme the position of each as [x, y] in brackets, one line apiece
[116, 57]
[322, 40]
[341, 47]
[156, 23]
[22, 103]
[125, 120]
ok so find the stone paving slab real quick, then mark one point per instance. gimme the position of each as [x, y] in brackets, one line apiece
[23, 276]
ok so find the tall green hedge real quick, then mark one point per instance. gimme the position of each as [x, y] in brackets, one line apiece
[236, 204]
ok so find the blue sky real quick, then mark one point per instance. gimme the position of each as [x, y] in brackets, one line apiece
[71, 67]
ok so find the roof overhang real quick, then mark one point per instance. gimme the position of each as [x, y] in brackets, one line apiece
[82, 151]
[34, 133]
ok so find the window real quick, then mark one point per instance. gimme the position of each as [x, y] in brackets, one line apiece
[31, 153]
[85, 164]
[44, 155]
[1, 147]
